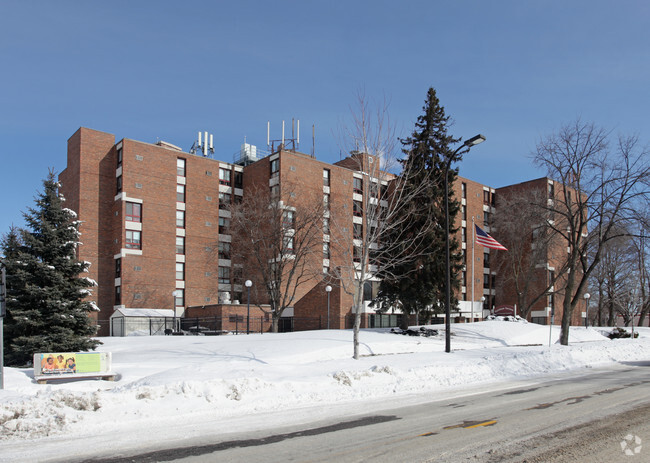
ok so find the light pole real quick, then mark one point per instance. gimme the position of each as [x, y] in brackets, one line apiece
[587, 296]
[328, 290]
[475, 140]
[248, 285]
[174, 294]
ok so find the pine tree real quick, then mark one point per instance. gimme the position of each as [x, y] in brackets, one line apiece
[46, 306]
[418, 286]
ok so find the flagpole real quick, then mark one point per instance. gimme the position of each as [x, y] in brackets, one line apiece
[473, 278]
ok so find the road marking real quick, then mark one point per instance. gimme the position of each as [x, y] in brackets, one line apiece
[471, 424]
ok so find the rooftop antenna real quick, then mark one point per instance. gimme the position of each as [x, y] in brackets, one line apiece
[286, 143]
[204, 144]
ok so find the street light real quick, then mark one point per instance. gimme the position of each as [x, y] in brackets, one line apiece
[328, 290]
[587, 296]
[174, 295]
[248, 285]
[475, 140]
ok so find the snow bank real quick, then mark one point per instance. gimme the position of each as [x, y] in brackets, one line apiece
[169, 384]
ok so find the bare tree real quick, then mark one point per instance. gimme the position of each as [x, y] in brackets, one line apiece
[359, 248]
[599, 185]
[523, 267]
[278, 243]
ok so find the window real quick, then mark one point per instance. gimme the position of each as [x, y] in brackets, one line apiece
[289, 219]
[374, 190]
[464, 212]
[118, 295]
[486, 197]
[237, 276]
[356, 254]
[180, 271]
[326, 201]
[384, 191]
[118, 268]
[463, 234]
[326, 250]
[224, 200]
[180, 193]
[133, 239]
[180, 245]
[118, 183]
[357, 209]
[234, 318]
[551, 191]
[239, 179]
[180, 219]
[288, 244]
[464, 278]
[326, 226]
[179, 298]
[486, 218]
[357, 185]
[357, 231]
[275, 167]
[275, 192]
[180, 167]
[133, 212]
[486, 260]
[486, 280]
[224, 275]
[224, 224]
[224, 176]
[119, 157]
[326, 177]
[463, 188]
[224, 250]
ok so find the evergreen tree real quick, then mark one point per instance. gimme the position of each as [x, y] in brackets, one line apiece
[418, 285]
[46, 306]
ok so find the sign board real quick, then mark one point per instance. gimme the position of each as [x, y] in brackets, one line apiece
[53, 365]
[504, 310]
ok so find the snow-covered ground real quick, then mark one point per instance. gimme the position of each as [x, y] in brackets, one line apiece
[181, 387]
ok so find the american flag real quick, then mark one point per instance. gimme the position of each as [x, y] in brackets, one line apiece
[487, 241]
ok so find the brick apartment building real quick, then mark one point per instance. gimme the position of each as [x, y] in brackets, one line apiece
[155, 229]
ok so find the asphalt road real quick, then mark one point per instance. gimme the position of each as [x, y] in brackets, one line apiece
[579, 417]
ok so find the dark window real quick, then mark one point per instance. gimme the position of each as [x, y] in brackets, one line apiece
[464, 235]
[118, 268]
[224, 176]
[486, 218]
[239, 179]
[486, 280]
[486, 197]
[486, 260]
[119, 157]
[224, 224]
[224, 250]
[118, 183]
[463, 187]
[356, 254]
[133, 239]
[357, 231]
[275, 192]
[118, 295]
[357, 209]
[133, 212]
[275, 167]
[224, 275]
[551, 191]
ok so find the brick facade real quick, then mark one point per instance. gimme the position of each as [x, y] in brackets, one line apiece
[176, 242]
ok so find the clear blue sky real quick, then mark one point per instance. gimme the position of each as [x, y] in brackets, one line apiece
[149, 70]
